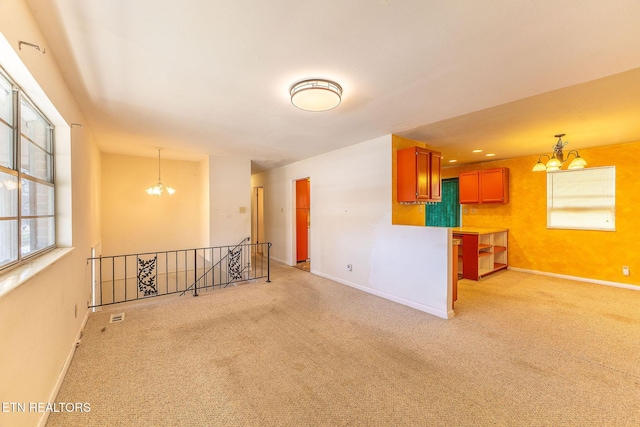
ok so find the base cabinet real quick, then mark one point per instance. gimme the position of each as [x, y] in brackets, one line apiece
[483, 251]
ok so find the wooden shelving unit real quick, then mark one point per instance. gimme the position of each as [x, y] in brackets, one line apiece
[483, 251]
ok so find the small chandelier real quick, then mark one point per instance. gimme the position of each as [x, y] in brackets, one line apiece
[557, 158]
[158, 189]
[316, 95]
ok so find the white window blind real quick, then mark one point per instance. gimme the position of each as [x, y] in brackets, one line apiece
[582, 199]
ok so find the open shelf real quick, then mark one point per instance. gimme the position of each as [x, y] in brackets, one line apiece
[484, 251]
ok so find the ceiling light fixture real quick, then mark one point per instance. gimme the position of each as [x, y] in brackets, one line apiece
[158, 189]
[316, 94]
[557, 158]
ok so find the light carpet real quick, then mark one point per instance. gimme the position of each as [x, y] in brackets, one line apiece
[523, 350]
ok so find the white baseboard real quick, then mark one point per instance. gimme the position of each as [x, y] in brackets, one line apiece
[390, 297]
[281, 261]
[63, 372]
[577, 279]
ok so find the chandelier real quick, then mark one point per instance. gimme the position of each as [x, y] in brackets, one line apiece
[158, 189]
[557, 160]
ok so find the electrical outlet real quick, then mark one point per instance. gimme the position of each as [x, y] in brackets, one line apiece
[625, 270]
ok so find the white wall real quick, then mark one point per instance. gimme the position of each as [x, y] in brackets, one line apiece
[351, 224]
[40, 319]
[229, 200]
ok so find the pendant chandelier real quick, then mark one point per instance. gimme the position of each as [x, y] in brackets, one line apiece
[557, 158]
[158, 189]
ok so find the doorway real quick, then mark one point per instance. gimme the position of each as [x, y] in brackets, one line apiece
[303, 223]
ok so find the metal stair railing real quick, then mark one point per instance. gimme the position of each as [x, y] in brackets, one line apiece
[236, 274]
[123, 278]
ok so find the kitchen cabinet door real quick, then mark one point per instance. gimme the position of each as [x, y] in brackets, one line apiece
[418, 175]
[435, 178]
[469, 187]
[484, 186]
[494, 185]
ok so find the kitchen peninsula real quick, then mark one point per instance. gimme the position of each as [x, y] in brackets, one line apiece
[483, 251]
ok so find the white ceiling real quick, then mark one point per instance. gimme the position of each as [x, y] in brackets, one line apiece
[200, 77]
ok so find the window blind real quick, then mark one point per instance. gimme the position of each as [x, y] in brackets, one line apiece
[582, 199]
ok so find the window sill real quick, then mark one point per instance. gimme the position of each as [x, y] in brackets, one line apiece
[18, 275]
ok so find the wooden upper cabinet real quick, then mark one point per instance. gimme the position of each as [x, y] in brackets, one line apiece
[435, 179]
[469, 187]
[484, 186]
[494, 185]
[418, 175]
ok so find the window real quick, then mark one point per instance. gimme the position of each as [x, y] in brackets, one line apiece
[583, 199]
[27, 203]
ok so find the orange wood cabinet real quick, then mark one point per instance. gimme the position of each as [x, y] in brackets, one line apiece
[469, 187]
[484, 186]
[418, 175]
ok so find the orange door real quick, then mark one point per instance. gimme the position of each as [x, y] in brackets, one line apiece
[302, 219]
[302, 243]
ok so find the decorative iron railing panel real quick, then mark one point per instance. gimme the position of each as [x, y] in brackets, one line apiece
[123, 278]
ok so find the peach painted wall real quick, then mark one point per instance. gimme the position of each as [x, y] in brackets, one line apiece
[597, 255]
[134, 222]
[404, 214]
[41, 318]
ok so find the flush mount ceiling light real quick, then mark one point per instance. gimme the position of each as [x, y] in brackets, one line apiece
[316, 94]
[158, 189]
[557, 158]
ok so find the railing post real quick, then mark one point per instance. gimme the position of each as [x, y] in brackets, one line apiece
[195, 272]
[269, 262]
[101, 279]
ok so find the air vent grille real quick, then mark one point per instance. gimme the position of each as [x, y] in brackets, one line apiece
[116, 318]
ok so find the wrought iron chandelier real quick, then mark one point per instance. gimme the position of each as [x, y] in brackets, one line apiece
[556, 160]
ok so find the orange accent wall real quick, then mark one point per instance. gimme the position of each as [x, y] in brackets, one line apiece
[404, 214]
[596, 255]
